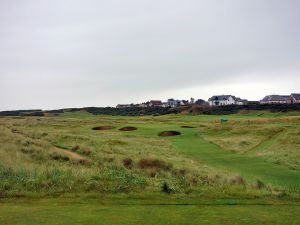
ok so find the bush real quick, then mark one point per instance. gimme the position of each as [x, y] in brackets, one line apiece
[57, 156]
[154, 163]
[75, 148]
[128, 163]
[165, 188]
[238, 180]
[259, 184]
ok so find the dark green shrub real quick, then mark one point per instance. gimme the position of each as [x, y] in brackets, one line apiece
[165, 188]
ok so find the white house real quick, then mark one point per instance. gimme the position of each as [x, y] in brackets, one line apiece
[295, 98]
[173, 103]
[239, 101]
[226, 100]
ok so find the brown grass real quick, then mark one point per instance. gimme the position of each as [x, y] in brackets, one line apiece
[71, 155]
[128, 163]
[154, 163]
[238, 180]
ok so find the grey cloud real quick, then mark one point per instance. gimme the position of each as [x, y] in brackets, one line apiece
[104, 52]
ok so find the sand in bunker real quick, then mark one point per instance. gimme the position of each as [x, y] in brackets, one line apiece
[128, 129]
[187, 126]
[169, 133]
[103, 128]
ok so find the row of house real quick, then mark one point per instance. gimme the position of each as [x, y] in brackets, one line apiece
[152, 103]
[283, 99]
[158, 103]
[216, 100]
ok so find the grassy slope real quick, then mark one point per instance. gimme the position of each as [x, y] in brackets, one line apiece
[249, 166]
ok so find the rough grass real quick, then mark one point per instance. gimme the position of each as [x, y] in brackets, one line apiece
[247, 173]
[55, 155]
[284, 149]
[276, 140]
[114, 161]
[240, 137]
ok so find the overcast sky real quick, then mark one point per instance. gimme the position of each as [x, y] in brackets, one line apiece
[75, 53]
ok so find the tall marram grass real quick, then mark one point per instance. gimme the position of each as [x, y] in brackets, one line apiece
[58, 181]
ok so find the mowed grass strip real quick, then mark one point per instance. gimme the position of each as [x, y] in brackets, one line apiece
[62, 211]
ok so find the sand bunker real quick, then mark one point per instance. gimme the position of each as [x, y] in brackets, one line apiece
[169, 133]
[128, 128]
[187, 127]
[103, 128]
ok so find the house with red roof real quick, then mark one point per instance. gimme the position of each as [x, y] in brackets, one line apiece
[155, 103]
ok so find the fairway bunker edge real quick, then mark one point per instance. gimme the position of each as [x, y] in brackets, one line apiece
[127, 129]
[169, 133]
[103, 128]
[184, 126]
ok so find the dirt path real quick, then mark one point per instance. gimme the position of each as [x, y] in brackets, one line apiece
[72, 155]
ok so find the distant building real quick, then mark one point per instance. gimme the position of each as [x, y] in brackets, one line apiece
[201, 102]
[165, 104]
[295, 98]
[184, 102]
[142, 105]
[276, 99]
[218, 100]
[173, 103]
[120, 106]
[239, 101]
[176, 103]
[155, 103]
[252, 102]
[221, 100]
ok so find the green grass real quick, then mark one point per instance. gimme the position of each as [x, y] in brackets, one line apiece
[211, 171]
[30, 141]
[125, 211]
[249, 166]
[192, 144]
